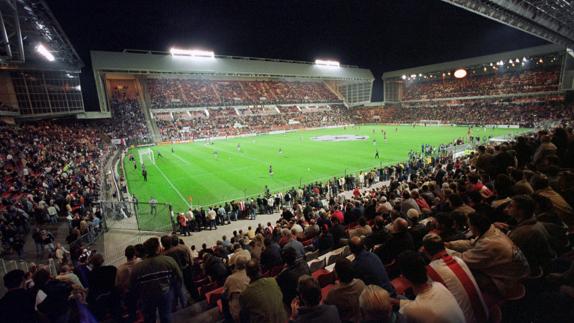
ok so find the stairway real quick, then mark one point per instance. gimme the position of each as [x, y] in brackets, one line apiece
[144, 101]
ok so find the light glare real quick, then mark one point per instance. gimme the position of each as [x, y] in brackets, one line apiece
[40, 48]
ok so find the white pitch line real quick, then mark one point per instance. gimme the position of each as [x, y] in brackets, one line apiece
[172, 186]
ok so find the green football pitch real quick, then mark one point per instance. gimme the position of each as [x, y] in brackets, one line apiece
[193, 175]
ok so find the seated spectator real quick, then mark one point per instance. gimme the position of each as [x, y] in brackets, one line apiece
[497, 263]
[530, 235]
[362, 230]
[238, 251]
[234, 285]
[307, 308]
[287, 279]
[345, 294]
[271, 255]
[292, 242]
[261, 301]
[563, 209]
[399, 241]
[376, 307]
[455, 275]
[433, 302]
[17, 305]
[325, 241]
[368, 267]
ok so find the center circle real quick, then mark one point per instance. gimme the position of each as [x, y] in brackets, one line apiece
[339, 138]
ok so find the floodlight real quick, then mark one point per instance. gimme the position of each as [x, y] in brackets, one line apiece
[40, 48]
[404, 77]
[460, 73]
[78, 87]
[194, 53]
[326, 62]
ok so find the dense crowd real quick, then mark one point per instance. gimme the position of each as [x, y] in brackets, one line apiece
[542, 79]
[450, 240]
[526, 111]
[170, 93]
[50, 171]
[226, 122]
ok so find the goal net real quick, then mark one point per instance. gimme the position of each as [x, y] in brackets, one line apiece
[146, 155]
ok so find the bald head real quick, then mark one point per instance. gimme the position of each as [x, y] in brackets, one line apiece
[400, 225]
[356, 245]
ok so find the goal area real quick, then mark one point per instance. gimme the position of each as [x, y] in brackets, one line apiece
[146, 155]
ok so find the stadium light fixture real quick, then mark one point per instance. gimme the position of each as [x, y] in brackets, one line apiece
[404, 77]
[193, 53]
[326, 62]
[460, 73]
[42, 50]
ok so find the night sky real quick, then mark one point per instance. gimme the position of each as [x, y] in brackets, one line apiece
[381, 35]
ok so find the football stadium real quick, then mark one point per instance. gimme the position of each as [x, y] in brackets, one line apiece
[398, 161]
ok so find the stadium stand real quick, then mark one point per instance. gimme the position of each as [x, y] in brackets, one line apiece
[497, 199]
[544, 79]
[169, 93]
[524, 111]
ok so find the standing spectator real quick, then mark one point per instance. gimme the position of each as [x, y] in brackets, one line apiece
[151, 279]
[17, 305]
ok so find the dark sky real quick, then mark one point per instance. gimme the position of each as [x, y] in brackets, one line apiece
[382, 35]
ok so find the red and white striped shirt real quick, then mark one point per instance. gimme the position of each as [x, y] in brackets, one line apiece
[455, 275]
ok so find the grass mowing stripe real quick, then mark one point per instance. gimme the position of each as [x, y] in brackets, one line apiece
[172, 186]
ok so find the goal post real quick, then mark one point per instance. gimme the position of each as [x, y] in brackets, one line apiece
[146, 154]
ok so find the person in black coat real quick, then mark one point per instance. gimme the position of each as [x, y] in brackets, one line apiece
[271, 256]
[287, 279]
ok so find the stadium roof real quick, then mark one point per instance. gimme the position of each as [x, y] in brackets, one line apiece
[151, 62]
[25, 24]
[552, 20]
[463, 63]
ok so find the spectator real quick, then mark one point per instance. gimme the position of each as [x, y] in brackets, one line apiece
[368, 267]
[497, 263]
[376, 307]
[17, 305]
[433, 302]
[234, 285]
[345, 294]
[307, 307]
[151, 279]
[455, 275]
[287, 279]
[261, 300]
[530, 235]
